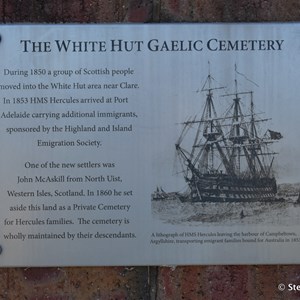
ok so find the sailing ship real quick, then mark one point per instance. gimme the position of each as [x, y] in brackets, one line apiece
[227, 159]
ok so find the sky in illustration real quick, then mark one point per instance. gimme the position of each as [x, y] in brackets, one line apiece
[272, 76]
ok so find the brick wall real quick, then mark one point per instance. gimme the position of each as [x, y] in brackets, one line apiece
[189, 282]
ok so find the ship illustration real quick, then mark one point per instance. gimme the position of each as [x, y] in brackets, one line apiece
[224, 157]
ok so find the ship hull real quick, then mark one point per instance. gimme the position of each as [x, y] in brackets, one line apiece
[222, 188]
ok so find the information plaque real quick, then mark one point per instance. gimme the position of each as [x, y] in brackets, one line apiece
[149, 144]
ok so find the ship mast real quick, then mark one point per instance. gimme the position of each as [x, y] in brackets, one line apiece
[209, 138]
[211, 132]
[237, 135]
[244, 138]
[231, 141]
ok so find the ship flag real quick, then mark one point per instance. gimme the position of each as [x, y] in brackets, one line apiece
[274, 135]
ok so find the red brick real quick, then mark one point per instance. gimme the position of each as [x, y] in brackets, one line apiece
[41, 274]
[4, 282]
[225, 282]
[1, 10]
[203, 282]
[73, 11]
[229, 11]
[104, 11]
[70, 11]
[139, 11]
[32, 11]
[166, 287]
[74, 283]
[51, 297]
[288, 275]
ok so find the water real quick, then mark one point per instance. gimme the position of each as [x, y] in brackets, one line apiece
[195, 214]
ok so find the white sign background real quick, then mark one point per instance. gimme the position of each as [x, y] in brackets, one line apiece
[145, 78]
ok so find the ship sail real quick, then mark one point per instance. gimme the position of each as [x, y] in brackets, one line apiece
[227, 159]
